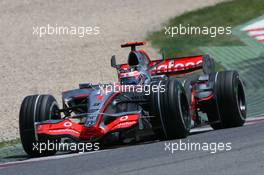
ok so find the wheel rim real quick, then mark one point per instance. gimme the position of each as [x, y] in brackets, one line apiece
[54, 111]
[184, 109]
[241, 101]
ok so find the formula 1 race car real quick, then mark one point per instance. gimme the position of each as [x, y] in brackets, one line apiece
[148, 97]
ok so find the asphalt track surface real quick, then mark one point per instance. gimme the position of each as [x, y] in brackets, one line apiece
[245, 157]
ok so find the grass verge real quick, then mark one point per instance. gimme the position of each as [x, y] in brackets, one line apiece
[231, 13]
[9, 143]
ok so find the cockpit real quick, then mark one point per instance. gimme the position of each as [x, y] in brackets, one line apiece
[135, 71]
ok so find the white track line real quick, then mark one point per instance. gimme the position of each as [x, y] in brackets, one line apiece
[56, 157]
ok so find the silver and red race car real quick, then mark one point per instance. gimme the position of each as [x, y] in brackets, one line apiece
[148, 97]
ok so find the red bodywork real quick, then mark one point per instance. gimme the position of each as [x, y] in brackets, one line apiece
[176, 66]
[77, 131]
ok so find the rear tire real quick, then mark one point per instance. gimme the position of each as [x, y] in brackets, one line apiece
[231, 101]
[36, 108]
[171, 110]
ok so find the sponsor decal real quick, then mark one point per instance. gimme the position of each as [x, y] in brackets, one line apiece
[67, 124]
[175, 65]
[63, 131]
[123, 118]
[124, 125]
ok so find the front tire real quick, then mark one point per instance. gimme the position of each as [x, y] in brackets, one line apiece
[171, 110]
[36, 108]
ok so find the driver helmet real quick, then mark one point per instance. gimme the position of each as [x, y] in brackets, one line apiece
[131, 78]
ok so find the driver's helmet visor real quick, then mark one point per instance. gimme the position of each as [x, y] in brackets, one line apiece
[130, 78]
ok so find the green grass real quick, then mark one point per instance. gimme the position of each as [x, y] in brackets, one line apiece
[9, 143]
[225, 14]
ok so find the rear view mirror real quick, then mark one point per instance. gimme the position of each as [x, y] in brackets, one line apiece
[113, 61]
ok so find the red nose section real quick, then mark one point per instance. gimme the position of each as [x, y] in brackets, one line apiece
[69, 128]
